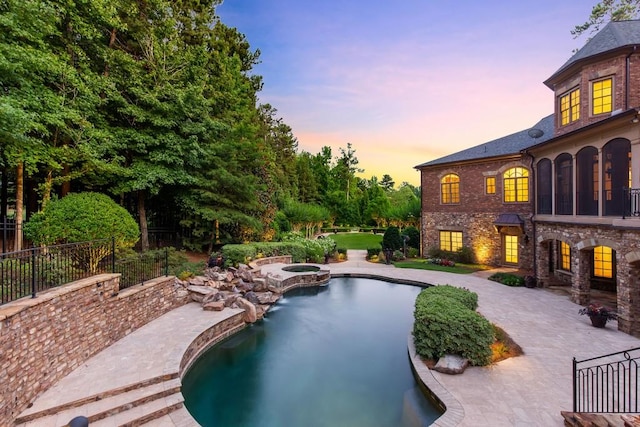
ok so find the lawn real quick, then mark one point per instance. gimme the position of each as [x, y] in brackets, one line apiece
[357, 240]
[421, 264]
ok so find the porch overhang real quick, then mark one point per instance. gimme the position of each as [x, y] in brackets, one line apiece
[509, 221]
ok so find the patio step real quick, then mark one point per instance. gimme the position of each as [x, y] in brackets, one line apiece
[132, 405]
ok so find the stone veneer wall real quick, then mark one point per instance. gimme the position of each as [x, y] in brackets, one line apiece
[478, 233]
[583, 238]
[44, 339]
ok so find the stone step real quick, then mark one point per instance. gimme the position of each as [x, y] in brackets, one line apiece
[145, 413]
[107, 404]
[179, 418]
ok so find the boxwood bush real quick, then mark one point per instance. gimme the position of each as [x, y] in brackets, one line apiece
[465, 296]
[444, 324]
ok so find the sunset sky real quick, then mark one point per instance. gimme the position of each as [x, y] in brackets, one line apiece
[409, 81]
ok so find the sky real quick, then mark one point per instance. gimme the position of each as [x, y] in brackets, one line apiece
[406, 81]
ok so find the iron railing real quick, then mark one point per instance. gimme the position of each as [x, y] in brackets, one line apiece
[30, 271]
[607, 384]
[632, 202]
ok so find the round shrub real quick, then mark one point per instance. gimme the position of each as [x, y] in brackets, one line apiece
[392, 239]
[444, 325]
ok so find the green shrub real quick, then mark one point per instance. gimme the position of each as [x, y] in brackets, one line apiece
[464, 296]
[414, 237]
[239, 253]
[372, 252]
[445, 325]
[412, 253]
[465, 255]
[392, 239]
[507, 279]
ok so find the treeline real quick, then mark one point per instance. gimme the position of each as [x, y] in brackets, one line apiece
[154, 102]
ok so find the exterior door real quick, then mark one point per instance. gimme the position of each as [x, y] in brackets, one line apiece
[510, 249]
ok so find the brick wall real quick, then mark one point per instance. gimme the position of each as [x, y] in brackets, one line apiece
[476, 213]
[44, 339]
[615, 67]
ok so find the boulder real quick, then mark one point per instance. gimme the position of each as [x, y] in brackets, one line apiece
[198, 281]
[252, 297]
[199, 292]
[451, 364]
[230, 299]
[268, 297]
[214, 306]
[260, 284]
[250, 312]
[211, 296]
[243, 286]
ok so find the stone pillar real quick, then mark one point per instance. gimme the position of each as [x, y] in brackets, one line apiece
[580, 283]
[542, 263]
[628, 288]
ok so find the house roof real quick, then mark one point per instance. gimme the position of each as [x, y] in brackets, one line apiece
[614, 35]
[507, 145]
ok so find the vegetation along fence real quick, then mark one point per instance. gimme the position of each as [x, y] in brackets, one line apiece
[30, 271]
[607, 384]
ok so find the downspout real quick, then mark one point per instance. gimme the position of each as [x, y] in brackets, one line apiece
[627, 77]
[533, 210]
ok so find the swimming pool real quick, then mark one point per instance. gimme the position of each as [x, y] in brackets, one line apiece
[324, 356]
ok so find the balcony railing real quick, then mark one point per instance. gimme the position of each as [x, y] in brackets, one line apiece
[632, 202]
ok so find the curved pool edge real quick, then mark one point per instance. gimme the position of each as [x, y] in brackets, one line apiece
[453, 412]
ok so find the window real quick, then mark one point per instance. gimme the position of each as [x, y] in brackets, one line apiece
[450, 240]
[564, 184]
[616, 175]
[516, 185]
[588, 184]
[450, 188]
[602, 98]
[564, 259]
[490, 185]
[544, 186]
[570, 107]
[603, 262]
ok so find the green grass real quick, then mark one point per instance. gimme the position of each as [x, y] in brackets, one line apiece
[357, 240]
[421, 264]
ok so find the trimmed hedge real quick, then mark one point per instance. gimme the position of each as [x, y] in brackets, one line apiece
[444, 323]
[465, 296]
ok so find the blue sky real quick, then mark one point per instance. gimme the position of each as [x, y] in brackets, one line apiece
[409, 81]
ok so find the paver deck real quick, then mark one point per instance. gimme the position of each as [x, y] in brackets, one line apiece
[529, 390]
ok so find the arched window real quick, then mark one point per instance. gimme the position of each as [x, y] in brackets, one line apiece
[543, 189]
[616, 175]
[587, 193]
[516, 185]
[450, 189]
[564, 184]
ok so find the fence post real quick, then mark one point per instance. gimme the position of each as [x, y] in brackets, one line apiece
[113, 254]
[33, 272]
[575, 389]
[166, 262]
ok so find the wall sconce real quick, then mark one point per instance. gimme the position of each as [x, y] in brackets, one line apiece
[635, 120]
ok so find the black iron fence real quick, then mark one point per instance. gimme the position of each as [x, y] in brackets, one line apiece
[607, 384]
[30, 271]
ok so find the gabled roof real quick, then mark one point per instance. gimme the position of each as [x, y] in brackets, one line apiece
[507, 145]
[615, 35]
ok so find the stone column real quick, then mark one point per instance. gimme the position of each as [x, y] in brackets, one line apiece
[628, 288]
[542, 263]
[580, 283]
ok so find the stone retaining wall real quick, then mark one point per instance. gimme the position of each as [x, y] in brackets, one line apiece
[45, 338]
[282, 259]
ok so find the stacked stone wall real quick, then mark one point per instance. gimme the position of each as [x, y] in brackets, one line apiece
[582, 238]
[44, 339]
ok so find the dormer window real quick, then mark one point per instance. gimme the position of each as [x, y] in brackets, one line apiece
[602, 96]
[570, 107]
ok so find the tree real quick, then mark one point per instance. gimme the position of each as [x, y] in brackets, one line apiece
[81, 217]
[605, 11]
[346, 168]
[387, 182]
[392, 239]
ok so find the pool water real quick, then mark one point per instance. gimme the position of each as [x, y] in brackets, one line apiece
[324, 356]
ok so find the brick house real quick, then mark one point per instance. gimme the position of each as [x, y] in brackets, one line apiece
[561, 199]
